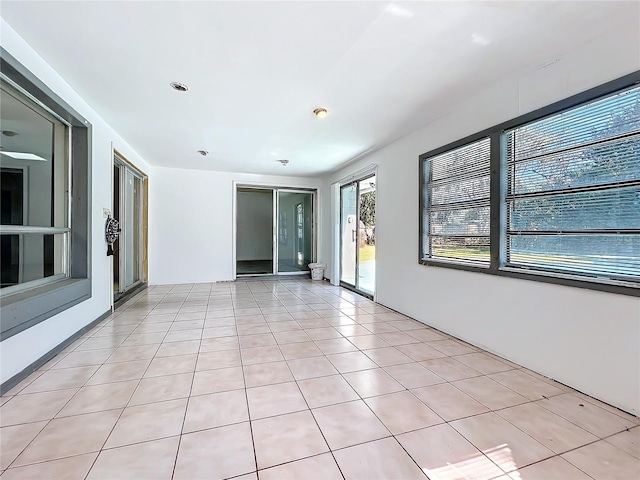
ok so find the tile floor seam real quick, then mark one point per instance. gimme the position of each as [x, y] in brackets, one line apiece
[52, 460]
[361, 399]
[592, 443]
[186, 409]
[119, 417]
[556, 454]
[45, 426]
[352, 314]
[559, 455]
[293, 461]
[392, 393]
[537, 402]
[314, 419]
[250, 421]
[317, 425]
[27, 446]
[253, 440]
[598, 438]
[491, 460]
[411, 456]
[616, 411]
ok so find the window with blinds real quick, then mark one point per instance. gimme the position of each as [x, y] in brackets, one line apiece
[551, 196]
[573, 190]
[456, 196]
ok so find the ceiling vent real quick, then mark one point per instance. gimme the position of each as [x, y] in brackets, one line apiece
[181, 87]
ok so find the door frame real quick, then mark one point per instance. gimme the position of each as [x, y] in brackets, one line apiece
[124, 164]
[274, 189]
[354, 178]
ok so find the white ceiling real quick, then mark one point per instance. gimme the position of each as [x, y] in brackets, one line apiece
[257, 70]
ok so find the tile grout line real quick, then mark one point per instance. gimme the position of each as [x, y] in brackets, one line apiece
[123, 409]
[325, 355]
[246, 397]
[62, 408]
[315, 422]
[186, 408]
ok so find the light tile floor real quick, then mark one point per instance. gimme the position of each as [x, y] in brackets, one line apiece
[293, 380]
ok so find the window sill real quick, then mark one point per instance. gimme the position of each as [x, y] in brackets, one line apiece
[577, 281]
[27, 308]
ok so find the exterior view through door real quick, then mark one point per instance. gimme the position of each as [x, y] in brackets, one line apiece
[274, 231]
[358, 235]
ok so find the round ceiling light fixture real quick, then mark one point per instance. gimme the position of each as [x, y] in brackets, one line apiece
[204, 153]
[284, 162]
[9, 133]
[320, 112]
[181, 87]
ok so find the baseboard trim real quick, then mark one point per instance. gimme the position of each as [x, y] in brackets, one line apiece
[18, 377]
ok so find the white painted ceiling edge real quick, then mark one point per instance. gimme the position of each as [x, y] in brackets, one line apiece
[257, 70]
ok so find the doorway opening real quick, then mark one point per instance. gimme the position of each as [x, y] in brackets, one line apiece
[275, 232]
[358, 235]
[130, 208]
[254, 231]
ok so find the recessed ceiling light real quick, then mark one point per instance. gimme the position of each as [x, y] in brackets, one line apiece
[320, 112]
[181, 87]
[204, 153]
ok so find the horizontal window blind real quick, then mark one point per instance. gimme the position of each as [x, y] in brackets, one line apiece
[573, 190]
[456, 217]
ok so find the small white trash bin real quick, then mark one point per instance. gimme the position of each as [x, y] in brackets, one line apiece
[317, 270]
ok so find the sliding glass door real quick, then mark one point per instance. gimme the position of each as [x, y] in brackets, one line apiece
[295, 231]
[357, 235]
[349, 233]
[274, 231]
[127, 209]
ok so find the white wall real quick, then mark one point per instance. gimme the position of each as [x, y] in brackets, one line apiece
[586, 339]
[19, 351]
[254, 234]
[191, 226]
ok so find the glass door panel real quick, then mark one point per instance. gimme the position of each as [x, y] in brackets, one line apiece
[348, 233]
[127, 209]
[131, 228]
[366, 235]
[117, 183]
[295, 231]
[357, 235]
